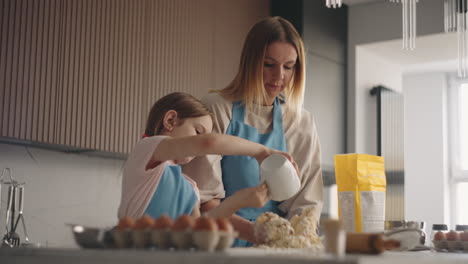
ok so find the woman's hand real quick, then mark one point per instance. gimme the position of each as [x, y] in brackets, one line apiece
[290, 158]
[255, 197]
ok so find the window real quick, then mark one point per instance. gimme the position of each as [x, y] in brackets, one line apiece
[458, 111]
[462, 197]
[464, 126]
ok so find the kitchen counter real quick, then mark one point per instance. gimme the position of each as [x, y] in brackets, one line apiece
[231, 256]
[419, 257]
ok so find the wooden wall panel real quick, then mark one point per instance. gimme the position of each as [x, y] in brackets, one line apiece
[84, 73]
[28, 62]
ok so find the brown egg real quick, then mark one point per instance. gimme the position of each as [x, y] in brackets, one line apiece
[125, 223]
[163, 222]
[224, 225]
[464, 236]
[182, 223]
[205, 223]
[144, 222]
[453, 236]
[439, 236]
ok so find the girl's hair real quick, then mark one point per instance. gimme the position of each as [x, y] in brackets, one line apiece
[248, 83]
[184, 104]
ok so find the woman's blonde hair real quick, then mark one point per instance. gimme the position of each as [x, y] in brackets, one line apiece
[247, 85]
[184, 104]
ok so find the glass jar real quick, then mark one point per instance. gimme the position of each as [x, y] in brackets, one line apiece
[438, 236]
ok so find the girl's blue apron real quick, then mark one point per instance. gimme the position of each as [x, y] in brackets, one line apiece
[243, 171]
[174, 195]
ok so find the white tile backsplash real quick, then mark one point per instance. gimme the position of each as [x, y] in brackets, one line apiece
[62, 188]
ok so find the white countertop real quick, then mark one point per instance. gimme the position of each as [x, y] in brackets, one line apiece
[92, 256]
[230, 256]
[426, 257]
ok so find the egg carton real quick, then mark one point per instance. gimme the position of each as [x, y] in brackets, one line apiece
[168, 239]
[450, 245]
[90, 237]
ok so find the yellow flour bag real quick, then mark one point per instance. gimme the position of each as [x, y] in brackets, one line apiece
[361, 191]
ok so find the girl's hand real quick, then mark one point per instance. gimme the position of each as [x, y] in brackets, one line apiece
[248, 197]
[255, 197]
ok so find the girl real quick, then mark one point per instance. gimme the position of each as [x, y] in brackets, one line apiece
[177, 130]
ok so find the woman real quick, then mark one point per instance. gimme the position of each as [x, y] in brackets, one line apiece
[263, 104]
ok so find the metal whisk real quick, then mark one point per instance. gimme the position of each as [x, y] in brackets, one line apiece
[11, 238]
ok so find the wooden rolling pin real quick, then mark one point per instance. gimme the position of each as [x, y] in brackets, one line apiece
[368, 243]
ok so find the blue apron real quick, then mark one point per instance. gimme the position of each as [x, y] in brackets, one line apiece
[243, 171]
[174, 195]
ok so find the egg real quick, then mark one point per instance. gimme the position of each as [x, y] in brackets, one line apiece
[125, 223]
[144, 222]
[453, 236]
[182, 223]
[224, 225]
[205, 223]
[439, 236]
[464, 236]
[163, 222]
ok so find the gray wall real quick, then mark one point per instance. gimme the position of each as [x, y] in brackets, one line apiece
[325, 37]
[62, 188]
[377, 22]
[324, 32]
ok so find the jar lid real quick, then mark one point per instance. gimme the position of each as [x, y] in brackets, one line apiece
[461, 227]
[439, 227]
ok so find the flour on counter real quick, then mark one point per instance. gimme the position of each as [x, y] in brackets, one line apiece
[275, 232]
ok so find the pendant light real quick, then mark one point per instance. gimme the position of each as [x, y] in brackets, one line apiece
[455, 20]
[450, 16]
[408, 8]
[462, 41]
[333, 3]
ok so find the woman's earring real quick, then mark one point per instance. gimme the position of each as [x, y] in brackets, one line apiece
[172, 125]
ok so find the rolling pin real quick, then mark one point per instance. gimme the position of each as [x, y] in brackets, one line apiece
[368, 243]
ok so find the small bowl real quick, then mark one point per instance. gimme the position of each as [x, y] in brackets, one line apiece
[90, 237]
[416, 224]
[393, 224]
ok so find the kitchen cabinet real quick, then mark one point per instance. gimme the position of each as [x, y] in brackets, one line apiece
[84, 73]
[69, 73]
